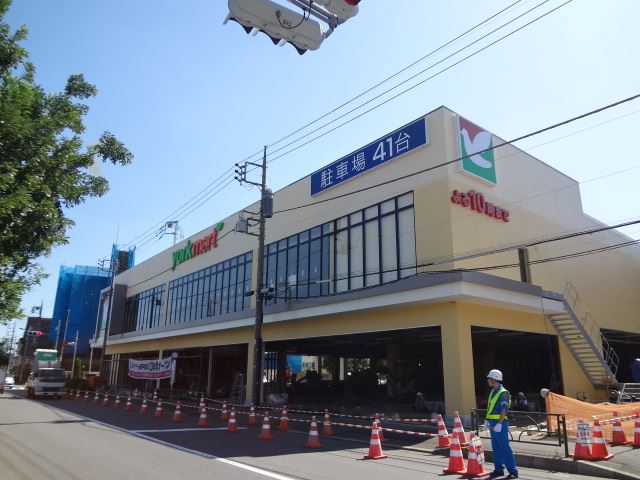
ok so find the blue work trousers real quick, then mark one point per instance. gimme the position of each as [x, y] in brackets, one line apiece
[502, 453]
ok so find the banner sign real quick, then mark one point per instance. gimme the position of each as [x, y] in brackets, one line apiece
[150, 369]
[373, 155]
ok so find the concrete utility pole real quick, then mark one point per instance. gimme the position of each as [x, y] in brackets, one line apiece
[75, 349]
[64, 337]
[114, 269]
[266, 211]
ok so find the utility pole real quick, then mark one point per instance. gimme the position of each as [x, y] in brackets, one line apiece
[75, 349]
[266, 211]
[64, 336]
[114, 269]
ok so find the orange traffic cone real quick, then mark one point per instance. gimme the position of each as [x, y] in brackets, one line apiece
[458, 430]
[636, 431]
[443, 434]
[203, 421]
[475, 468]
[326, 424]
[77, 394]
[232, 426]
[314, 439]
[456, 461]
[599, 447]
[201, 405]
[155, 396]
[143, 409]
[253, 420]
[105, 402]
[177, 415]
[129, 406]
[158, 413]
[618, 437]
[224, 414]
[380, 433]
[265, 431]
[582, 451]
[375, 447]
[284, 420]
[116, 405]
[86, 396]
[96, 398]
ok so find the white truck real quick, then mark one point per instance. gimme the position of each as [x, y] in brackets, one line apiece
[46, 378]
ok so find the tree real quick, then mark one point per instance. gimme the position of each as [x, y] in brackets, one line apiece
[44, 165]
[4, 353]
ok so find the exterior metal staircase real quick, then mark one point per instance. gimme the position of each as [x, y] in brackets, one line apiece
[582, 336]
[629, 392]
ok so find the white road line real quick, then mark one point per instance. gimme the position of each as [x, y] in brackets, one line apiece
[200, 429]
[134, 433]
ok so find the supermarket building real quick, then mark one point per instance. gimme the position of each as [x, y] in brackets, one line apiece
[430, 269]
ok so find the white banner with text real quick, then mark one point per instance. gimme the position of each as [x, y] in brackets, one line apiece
[150, 369]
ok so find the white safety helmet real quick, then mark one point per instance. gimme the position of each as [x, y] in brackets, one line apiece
[495, 374]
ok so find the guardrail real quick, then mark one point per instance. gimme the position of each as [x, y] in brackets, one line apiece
[538, 428]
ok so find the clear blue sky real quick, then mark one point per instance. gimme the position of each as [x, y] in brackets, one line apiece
[190, 97]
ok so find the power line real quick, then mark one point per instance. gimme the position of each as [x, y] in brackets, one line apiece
[205, 190]
[500, 145]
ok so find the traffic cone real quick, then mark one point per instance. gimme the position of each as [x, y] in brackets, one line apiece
[458, 430]
[380, 434]
[105, 402]
[314, 439]
[375, 447]
[203, 421]
[582, 451]
[177, 415]
[618, 437]
[116, 404]
[475, 469]
[158, 413]
[599, 446]
[129, 406]
[232, 426]
[284, 420]
[253, 420]
[136, 394]
[77, 397]
[326, 424]
[265, 431]
[201, 405]
[456, 461]
[636, 431]
[86, 396]
[443, 434]
[224, 414]
[155, 396]
[143, 409]
[96, 398]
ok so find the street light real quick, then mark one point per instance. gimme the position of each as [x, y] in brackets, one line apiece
[266, 211]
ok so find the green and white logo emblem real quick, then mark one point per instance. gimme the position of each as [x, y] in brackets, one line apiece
[473, 140]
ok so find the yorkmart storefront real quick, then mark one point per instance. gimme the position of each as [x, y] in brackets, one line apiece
[384, 285]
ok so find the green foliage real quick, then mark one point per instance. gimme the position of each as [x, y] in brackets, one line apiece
[4, 353]
[76, 383]
[77, 369]
[44, 168]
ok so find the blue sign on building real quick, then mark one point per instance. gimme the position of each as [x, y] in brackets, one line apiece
[373, 155]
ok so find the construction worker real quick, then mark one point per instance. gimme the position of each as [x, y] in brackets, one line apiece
[496, 421]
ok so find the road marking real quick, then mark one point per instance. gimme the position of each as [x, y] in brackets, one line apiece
[135, 433]
[200, 429]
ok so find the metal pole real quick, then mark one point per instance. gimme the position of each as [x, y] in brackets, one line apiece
[75, 349]
[257, 352]
[64, 336]
[102, 373]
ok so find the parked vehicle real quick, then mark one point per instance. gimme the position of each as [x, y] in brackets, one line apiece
[9, 383]
[46, 378]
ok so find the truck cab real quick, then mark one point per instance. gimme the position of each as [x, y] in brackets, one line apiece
[46, 382]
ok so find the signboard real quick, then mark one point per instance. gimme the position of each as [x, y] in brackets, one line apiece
[150, 369]
[476, 201]
[373, 155]
[193, 249]
[472, 140]
[583, 432]
[477, 444]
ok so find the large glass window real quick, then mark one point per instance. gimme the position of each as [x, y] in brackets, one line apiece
[215, 290]
[365, 248]
[143, 310]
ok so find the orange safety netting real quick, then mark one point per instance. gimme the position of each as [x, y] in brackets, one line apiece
[575, 410]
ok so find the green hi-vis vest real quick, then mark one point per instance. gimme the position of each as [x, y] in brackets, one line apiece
[493, 399]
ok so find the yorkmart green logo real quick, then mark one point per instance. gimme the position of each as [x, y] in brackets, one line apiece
[473, 140]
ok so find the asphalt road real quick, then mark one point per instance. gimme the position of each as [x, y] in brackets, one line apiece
[68, 439]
